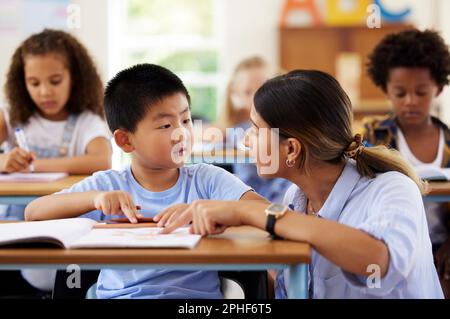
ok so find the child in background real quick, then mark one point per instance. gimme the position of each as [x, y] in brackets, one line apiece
[412, 68]
[247, 78]
[148, 110]
[54, 94]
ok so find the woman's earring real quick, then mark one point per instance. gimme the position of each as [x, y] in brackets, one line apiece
[290, 163]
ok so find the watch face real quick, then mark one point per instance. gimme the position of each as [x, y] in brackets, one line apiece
[276, 208]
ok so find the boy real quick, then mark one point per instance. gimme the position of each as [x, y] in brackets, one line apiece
[147, 109]
[412, 68]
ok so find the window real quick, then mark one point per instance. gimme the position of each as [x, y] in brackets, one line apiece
[178, 34]
[181, 35]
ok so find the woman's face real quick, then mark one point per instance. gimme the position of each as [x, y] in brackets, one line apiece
[48, 82]
[265, 147]
[244, 86]
[411, 91]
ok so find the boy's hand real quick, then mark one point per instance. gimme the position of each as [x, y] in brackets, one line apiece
[17, 160]
[117, 203]
[443, 260]
[170, 214]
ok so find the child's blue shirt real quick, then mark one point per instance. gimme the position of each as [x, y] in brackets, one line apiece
[199, 181]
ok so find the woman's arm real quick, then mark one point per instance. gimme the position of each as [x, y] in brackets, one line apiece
[61, 206]
[97, 158]
[252, 195]
[351, 249]
[172, 213]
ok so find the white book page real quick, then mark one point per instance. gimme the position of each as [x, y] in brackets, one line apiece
[137, 238]
[32, 177]
[59, 231]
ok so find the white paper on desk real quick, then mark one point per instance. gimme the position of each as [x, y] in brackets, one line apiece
[32, 177]
[137, 238]
[433, 173]
[60, 232]
[79, 233]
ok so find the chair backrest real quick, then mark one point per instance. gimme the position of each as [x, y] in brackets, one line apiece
[253, 283]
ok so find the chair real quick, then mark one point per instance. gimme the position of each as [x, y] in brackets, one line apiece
[253, 283]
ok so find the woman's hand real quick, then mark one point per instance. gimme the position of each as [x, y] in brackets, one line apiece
[443, 260]
[171, 213]
[117, 203]
[207, 216]
[16, 160]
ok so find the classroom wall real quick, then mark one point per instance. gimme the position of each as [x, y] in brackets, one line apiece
[251, 26]
[248, 27]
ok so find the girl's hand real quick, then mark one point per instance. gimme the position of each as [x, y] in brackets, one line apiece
[170, 214]
[208, 217]
[117, 203]
[443, 260]
[17, 160]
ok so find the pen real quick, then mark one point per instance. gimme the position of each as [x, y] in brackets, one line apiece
[22, 141]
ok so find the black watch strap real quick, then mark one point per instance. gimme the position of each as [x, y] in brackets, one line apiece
[270, 226]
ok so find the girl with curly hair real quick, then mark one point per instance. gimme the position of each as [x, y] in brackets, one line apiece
[54, 93]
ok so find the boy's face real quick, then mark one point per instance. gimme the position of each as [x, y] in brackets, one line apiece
[163, 138]
[411, 91]
[48, 82]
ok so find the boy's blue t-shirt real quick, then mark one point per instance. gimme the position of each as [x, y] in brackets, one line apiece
[201, 181]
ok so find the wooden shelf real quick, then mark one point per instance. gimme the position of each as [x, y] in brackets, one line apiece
[318, 47]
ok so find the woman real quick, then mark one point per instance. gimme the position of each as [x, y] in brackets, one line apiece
[360, 208]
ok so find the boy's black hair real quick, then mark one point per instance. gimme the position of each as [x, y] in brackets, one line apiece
[130, 94]
[410, 48]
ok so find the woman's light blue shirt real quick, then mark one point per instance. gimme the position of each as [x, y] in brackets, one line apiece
[199, 181]
[389, 208]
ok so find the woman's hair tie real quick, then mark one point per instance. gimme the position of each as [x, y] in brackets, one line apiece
[354, 148]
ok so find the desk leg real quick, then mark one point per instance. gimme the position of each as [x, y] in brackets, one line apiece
[298, 282]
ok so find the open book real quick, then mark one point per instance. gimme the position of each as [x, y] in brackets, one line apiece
[433, 173]
[31, 177]
[83, 233]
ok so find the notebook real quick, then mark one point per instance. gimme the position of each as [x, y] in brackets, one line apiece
[32, 177]
[432, 173]
[74, 233]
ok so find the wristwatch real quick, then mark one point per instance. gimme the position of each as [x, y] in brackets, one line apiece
[273, 213]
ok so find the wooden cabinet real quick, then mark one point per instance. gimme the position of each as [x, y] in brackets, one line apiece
[318, 48]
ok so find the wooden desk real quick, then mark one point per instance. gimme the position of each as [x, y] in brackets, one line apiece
[24, 192]
[239, 248]
[439, 192]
